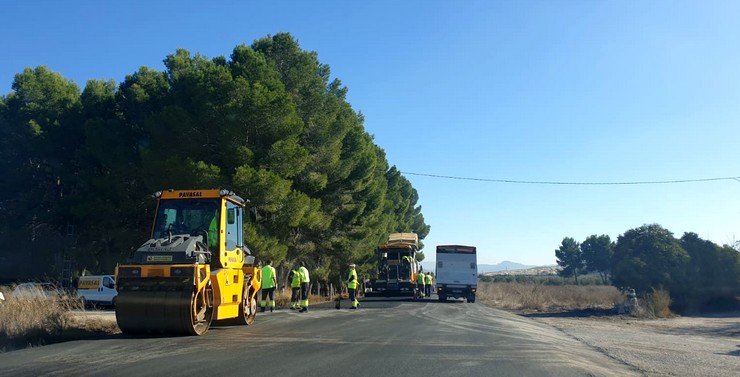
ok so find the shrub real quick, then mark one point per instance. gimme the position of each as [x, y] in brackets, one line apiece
[659, 302]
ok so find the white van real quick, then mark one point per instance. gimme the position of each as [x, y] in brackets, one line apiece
[97, 290]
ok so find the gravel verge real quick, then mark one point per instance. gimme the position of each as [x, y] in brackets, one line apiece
[707, 345]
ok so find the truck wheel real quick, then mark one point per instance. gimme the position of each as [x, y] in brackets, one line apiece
[442, 298]
[471, 299]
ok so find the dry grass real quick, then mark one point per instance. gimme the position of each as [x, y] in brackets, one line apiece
[89, 322]
[659, 302]
[533, 297]
[548, 298]
[282, 298]
[30, 322]
[21, 316]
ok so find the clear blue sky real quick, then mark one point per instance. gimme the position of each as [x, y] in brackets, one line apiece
[566, 91]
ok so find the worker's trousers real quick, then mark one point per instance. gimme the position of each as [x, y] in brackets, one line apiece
[353, 297]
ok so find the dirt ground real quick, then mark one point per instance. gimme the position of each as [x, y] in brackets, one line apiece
[707, 345]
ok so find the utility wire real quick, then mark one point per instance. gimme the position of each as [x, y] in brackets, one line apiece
[574, 183]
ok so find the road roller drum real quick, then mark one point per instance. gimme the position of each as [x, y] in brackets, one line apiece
[176, 312]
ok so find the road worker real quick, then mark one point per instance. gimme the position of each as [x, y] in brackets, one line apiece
[352, 286]
[295, 287]
[305, 280]
[428, 280]
[406, 259]
[213, 232]
[269, 282]
[406, 263]
[420, 286]
[383, 271]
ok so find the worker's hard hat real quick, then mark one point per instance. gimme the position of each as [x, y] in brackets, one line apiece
[351, 265]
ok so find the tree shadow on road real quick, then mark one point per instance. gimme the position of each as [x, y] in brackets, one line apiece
[734, 353]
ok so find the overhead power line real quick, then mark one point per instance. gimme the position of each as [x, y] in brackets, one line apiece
[573, 183]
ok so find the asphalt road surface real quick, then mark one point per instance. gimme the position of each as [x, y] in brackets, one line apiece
[385, 337]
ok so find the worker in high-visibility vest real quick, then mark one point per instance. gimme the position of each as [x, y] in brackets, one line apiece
[213, 233]
[420, 283]
[305, 280]
[428, 280]
[406, 265]
[383, 270]
[352, 286]
[295, 286]
[269, 282]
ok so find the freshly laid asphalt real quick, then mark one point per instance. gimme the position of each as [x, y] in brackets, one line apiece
[385, 337]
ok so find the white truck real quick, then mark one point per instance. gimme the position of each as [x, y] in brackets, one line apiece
[457, 272]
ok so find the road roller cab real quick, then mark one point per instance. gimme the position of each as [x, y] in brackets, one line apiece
[194, 269]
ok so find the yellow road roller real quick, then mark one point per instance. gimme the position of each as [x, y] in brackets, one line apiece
[195, 268]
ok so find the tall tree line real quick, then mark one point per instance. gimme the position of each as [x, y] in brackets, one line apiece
[694, 271]
[268, 123]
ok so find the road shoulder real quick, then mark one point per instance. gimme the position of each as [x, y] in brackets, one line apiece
[679, 346]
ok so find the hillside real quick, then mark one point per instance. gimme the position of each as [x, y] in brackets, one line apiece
[486, 268]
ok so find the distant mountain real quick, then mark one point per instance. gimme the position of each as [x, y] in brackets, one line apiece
[503, 266]
[482, 268]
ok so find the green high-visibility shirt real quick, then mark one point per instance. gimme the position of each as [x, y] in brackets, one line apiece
[352, 279]
[295, 281]
[420, 278]
[268, 274]
[213, 233]
[304, 275]
[428, 279]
